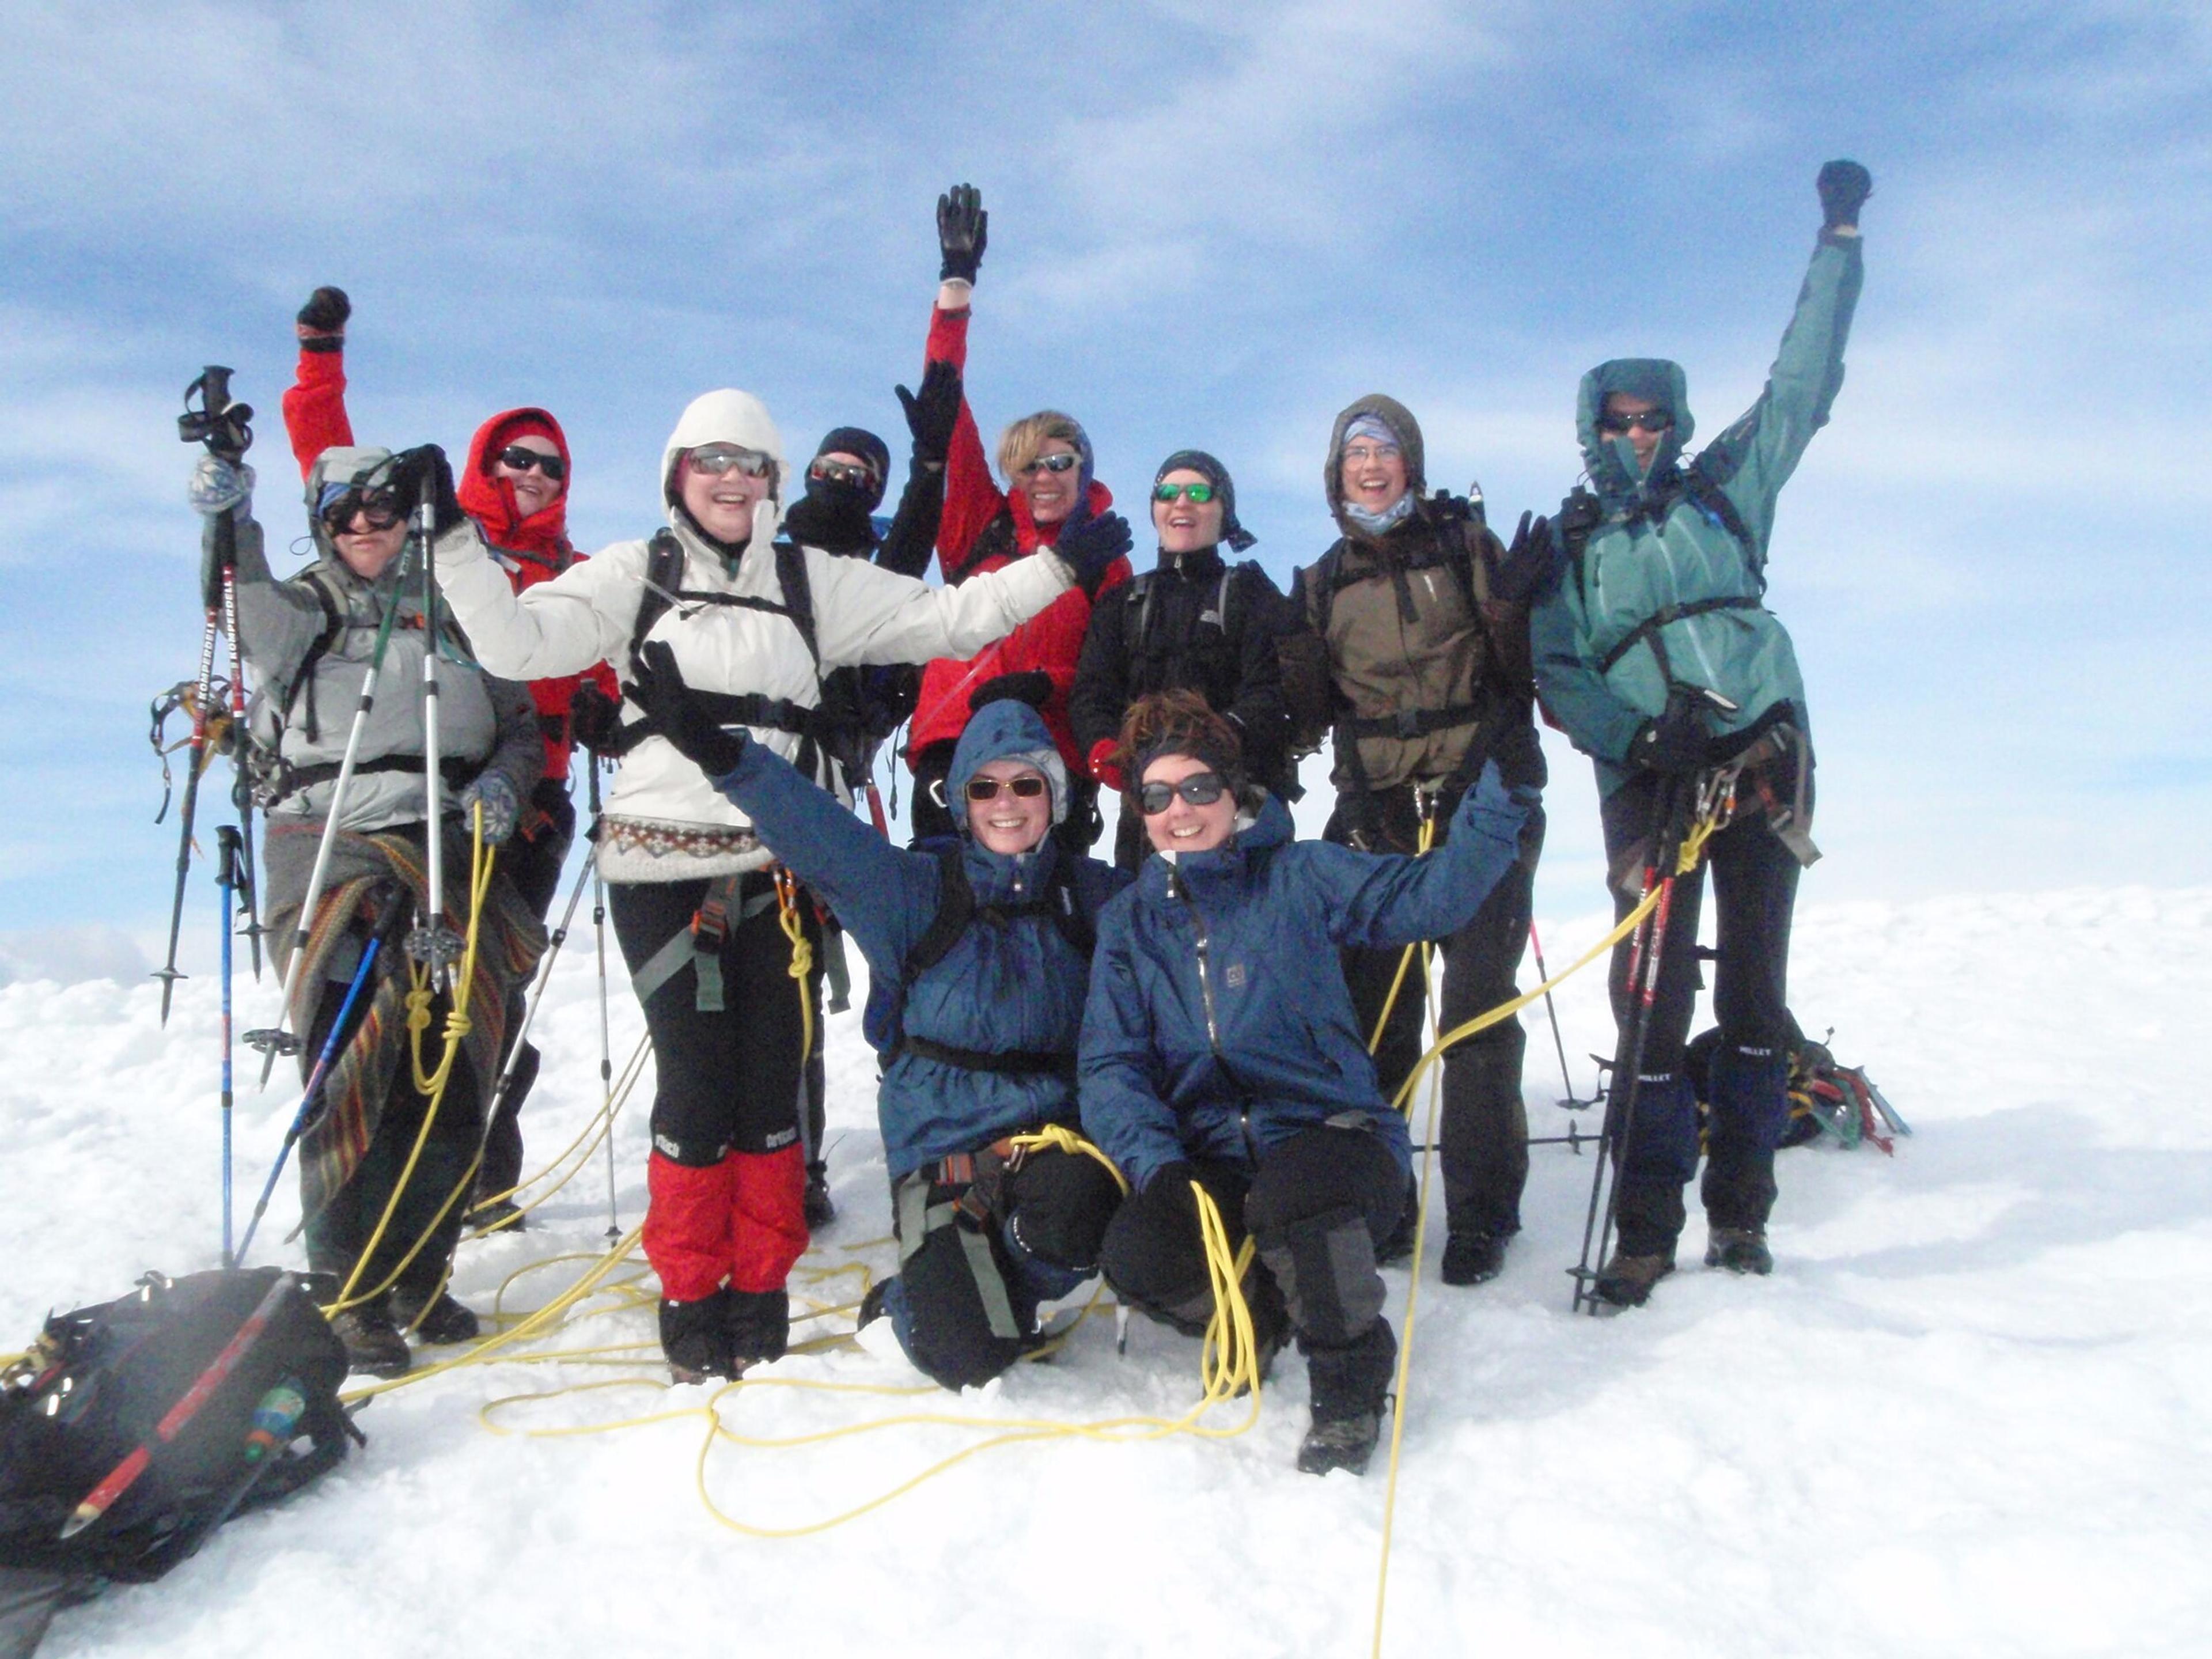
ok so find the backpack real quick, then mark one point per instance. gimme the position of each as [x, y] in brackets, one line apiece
[1840, 1102]
[133, 1428]
[1059, 898]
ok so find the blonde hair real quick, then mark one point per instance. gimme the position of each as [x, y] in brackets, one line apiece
[1019, 443]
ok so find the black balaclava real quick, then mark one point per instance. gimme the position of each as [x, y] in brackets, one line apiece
[835, 516]
[1197, 460]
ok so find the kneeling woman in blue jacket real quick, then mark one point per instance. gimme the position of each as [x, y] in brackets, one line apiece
[1219, 1048]
[979, 950]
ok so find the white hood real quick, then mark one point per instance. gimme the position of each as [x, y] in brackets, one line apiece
[729, 416]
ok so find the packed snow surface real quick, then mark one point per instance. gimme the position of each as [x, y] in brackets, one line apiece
[1971, 1412]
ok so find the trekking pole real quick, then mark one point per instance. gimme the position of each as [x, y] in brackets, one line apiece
[339, 1033]
[228, 854]
[599, 939]
[435, 943]
[1543, 974]
[223, 425]
[241, 778]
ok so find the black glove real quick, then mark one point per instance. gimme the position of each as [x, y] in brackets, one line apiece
[594, 718]
[426, 465]
[323, 319]
[962, 229]
[1676, 744]
[932, 416]
[1032, 686]
[1844, 187]
[1088, 547]
[1527, 563]
[674, 711]
[1174, 1179]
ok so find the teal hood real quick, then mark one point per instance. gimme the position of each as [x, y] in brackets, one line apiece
[1612, 461]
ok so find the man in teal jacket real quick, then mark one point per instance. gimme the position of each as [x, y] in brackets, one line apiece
[1654, 650]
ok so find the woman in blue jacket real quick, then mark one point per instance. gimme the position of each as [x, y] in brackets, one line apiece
[978, 951]
[1220, 1048]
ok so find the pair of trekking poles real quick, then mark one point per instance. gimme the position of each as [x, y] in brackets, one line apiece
[223, 426]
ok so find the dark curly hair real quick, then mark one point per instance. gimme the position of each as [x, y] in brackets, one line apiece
[1178, 723]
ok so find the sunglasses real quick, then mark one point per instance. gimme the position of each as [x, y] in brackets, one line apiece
[339, 505]
[1199, 494]
[718, 459]
[1650, 420]
[515, 458]
[1063, 463]
[843, 472]
[1199, 789]
[1027, 787]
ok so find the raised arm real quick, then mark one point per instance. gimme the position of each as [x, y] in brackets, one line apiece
[315, 416]
[1390, 900]
[580, 617]
[1754, 459]
[1120, 1082]
[931, 413]
[972, 500]
[277, 621]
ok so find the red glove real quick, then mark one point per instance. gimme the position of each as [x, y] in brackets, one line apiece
[1101, 763]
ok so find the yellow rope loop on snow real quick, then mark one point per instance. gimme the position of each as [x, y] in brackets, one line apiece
[1059, 1138]
[601, 1126]
[1428, 840]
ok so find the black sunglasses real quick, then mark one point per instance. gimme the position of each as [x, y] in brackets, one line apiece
[1649, 420]
[1027, 787]
[844, 472]
[1199, 789]
[378, 508]
[1062, 462]
[516, 458]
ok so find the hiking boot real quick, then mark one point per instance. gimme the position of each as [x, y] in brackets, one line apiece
[819, 1211]
[757, 1325]
[1740, 1249]
[374, 1346]
[444, 1322]
[1627, 1280]
[1340, 1443]
[695, 1338]
[500, 1215]
[1474, 1258]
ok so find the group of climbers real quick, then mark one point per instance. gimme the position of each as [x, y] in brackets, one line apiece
[1250, 1016]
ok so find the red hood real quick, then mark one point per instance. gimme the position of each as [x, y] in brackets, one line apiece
[490, 501]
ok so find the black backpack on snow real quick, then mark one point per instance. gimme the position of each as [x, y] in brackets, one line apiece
[126, 1426]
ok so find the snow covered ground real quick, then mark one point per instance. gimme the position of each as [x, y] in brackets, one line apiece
[1970, 1413]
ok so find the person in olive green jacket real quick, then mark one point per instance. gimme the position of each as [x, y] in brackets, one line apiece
[1654, 650]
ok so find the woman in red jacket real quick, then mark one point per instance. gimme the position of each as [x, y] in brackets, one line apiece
[1047, 463]
[516, 488]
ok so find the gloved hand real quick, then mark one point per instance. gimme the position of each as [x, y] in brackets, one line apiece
[1174, 1179]
[594, 718]
[1844, 187]
[1527, 563]
[219, 486]
[1088, 546]
[502, 807]
[673, 711]
[1677, 742]
[1101, 763]
[411, 469]
[931, 413]
[1031, 685]
[962, 229]
[322, 320]
[1494, 812]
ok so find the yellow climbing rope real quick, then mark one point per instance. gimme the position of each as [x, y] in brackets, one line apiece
[1061, 1138]
[1427, 840]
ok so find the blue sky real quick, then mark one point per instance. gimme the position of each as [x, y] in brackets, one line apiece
[1212, 224]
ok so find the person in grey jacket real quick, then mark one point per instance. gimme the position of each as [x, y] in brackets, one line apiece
[309, 643]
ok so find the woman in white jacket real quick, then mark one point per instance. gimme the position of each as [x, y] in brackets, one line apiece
[693, 895]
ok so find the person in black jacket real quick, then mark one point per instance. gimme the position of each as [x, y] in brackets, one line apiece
[1195, 622]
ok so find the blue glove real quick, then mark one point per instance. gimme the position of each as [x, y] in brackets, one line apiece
[1088, 546]
[502, 807]
[1494, 813]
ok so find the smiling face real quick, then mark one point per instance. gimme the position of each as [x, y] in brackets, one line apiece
[1184, 526]
[1641, 421]
[533, 490]
[721, 503]
[1051, 494]
[1183, 828]
[365, 550]
[1008, 822]
[1373, 473]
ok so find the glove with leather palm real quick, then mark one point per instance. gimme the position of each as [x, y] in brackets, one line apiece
[932, 413]
[675, 712]
[425, 466]
[1089, 544]
[963, 230]
[1844, 187]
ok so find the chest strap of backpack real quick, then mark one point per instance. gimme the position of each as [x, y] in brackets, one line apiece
[1666, 616]
[699, 945]
[288, 780]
